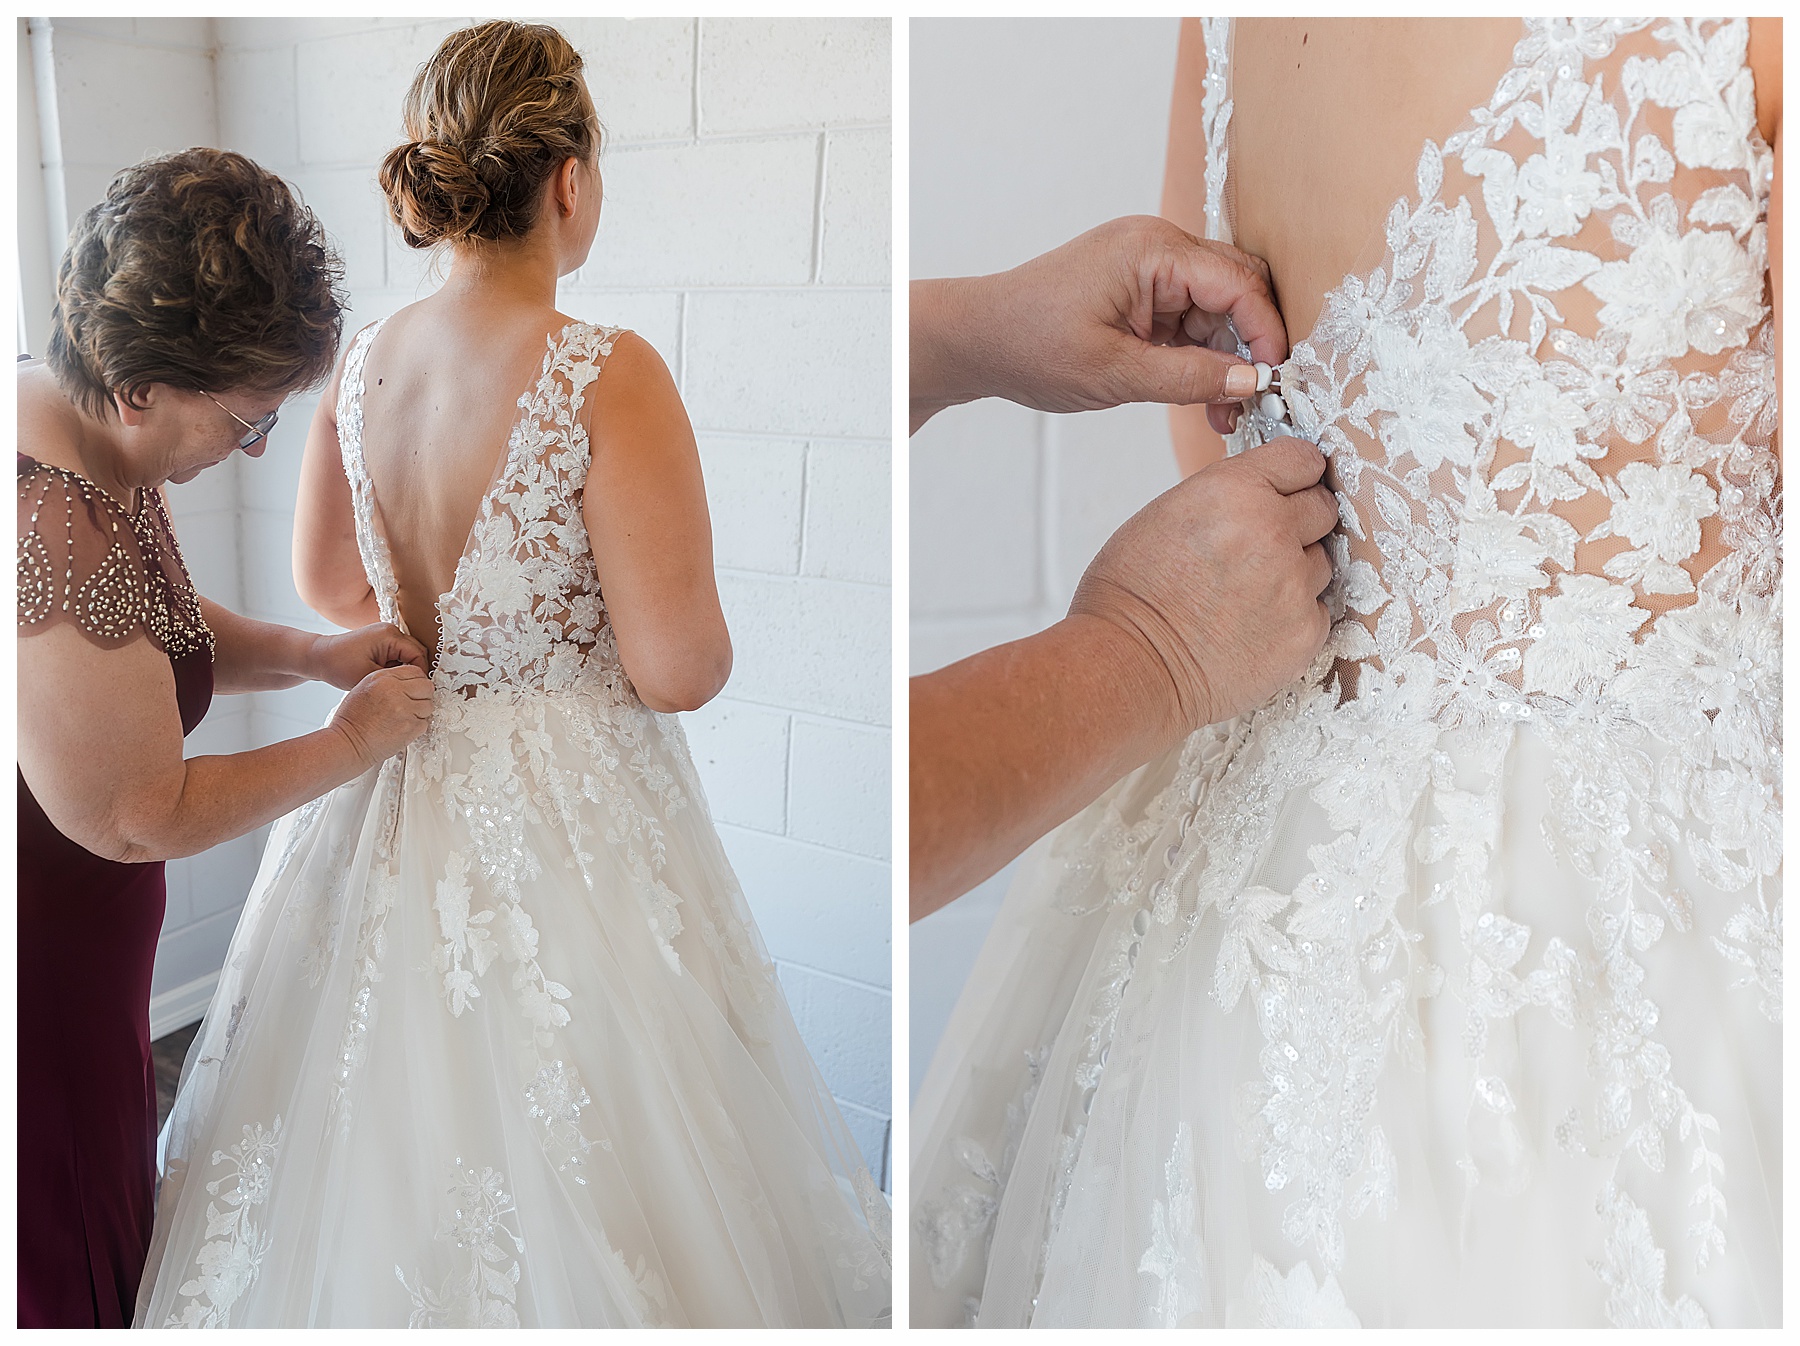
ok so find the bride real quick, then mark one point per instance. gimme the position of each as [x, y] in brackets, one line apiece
[496, 1042]
[1445, 987]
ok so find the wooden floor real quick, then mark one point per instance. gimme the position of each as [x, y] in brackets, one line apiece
[168, 1053]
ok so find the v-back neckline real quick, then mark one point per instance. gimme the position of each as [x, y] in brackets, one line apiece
[1368, 256]
[554, 343]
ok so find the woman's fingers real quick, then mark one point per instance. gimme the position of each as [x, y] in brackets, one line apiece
[1218, 279]
[1320, 562]
[1288, 464]
[391, 647]
[408, 651]
[1315, 512]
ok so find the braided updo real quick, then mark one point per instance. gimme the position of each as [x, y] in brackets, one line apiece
[490, 117]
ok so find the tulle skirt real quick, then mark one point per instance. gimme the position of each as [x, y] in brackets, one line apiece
[497, 1044]
[1344, 1015]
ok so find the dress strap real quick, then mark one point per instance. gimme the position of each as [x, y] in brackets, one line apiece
[377, 562]
[1215, 112]
[573, 359]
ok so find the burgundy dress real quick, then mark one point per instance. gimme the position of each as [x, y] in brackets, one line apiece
[88, 927]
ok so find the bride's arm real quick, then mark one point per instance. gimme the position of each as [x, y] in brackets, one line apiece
[1197, 442]
[645, 509]
[328, 569]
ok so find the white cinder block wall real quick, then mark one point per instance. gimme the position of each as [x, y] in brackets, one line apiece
[745, 235]
[1025, 133]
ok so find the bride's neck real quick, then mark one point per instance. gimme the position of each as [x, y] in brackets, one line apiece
[522, 272]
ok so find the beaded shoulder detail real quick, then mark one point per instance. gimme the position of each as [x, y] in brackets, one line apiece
[85, 561]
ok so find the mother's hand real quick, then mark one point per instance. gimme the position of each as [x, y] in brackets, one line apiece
[1137, 310]
[345, 660]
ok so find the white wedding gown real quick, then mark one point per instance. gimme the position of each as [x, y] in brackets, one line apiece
[496, 1042]
[1445, 987]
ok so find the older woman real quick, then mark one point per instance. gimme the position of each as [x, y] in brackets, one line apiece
[191, 302]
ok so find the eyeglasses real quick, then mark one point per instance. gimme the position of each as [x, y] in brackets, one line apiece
[253, 432]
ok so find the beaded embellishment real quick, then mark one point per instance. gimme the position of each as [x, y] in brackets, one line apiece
[110, 573]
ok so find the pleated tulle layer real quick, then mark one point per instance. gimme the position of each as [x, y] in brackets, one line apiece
[496, 1043]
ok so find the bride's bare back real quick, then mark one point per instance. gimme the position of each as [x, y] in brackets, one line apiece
[441, 388]
[1475, 188]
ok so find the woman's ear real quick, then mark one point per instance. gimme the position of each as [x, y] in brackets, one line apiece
[568, 186]
[131, 404]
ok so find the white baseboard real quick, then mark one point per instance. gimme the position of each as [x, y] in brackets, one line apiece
[181, 1005]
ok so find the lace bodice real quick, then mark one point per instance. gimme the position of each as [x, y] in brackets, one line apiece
[525, 609]
[1549, 409]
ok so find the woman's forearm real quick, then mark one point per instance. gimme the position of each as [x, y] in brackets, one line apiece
[943, 370]
[222, 797]
[1012, 741]
[253, 656]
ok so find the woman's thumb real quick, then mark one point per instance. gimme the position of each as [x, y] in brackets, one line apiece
[1185, 375]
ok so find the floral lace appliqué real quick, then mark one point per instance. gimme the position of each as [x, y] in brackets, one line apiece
[482, 1287]
[228, 1262]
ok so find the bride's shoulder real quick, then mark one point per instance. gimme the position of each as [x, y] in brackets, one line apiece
[599, 338]
[634, 395]
[632, 364]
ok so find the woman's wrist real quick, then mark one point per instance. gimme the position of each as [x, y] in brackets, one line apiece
[314, 658]
[951, 344]
[1130, 679]
[291, 656]
[250, 655]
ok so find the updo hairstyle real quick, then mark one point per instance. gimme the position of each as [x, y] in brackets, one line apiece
[491, 116]
[201, 271]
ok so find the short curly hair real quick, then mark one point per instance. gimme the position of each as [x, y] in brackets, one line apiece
[201, 271]
[492, 114]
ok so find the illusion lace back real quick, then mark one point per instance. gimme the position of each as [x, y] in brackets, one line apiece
[1446, 986]
[496, 1042]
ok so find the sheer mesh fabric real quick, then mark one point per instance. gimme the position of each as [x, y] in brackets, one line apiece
[86, 563]
[1562, 364]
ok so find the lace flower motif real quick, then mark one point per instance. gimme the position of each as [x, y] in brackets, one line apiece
[476, 1292]
[1678, 292]
[1557, 189]
[1587, 632]
[1294, 1300]
[1425, 381]
[228, 1263]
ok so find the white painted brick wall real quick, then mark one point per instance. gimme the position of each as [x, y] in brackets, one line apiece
[745, 235]
[786, 74]
[1024, 133]
[723, 212]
